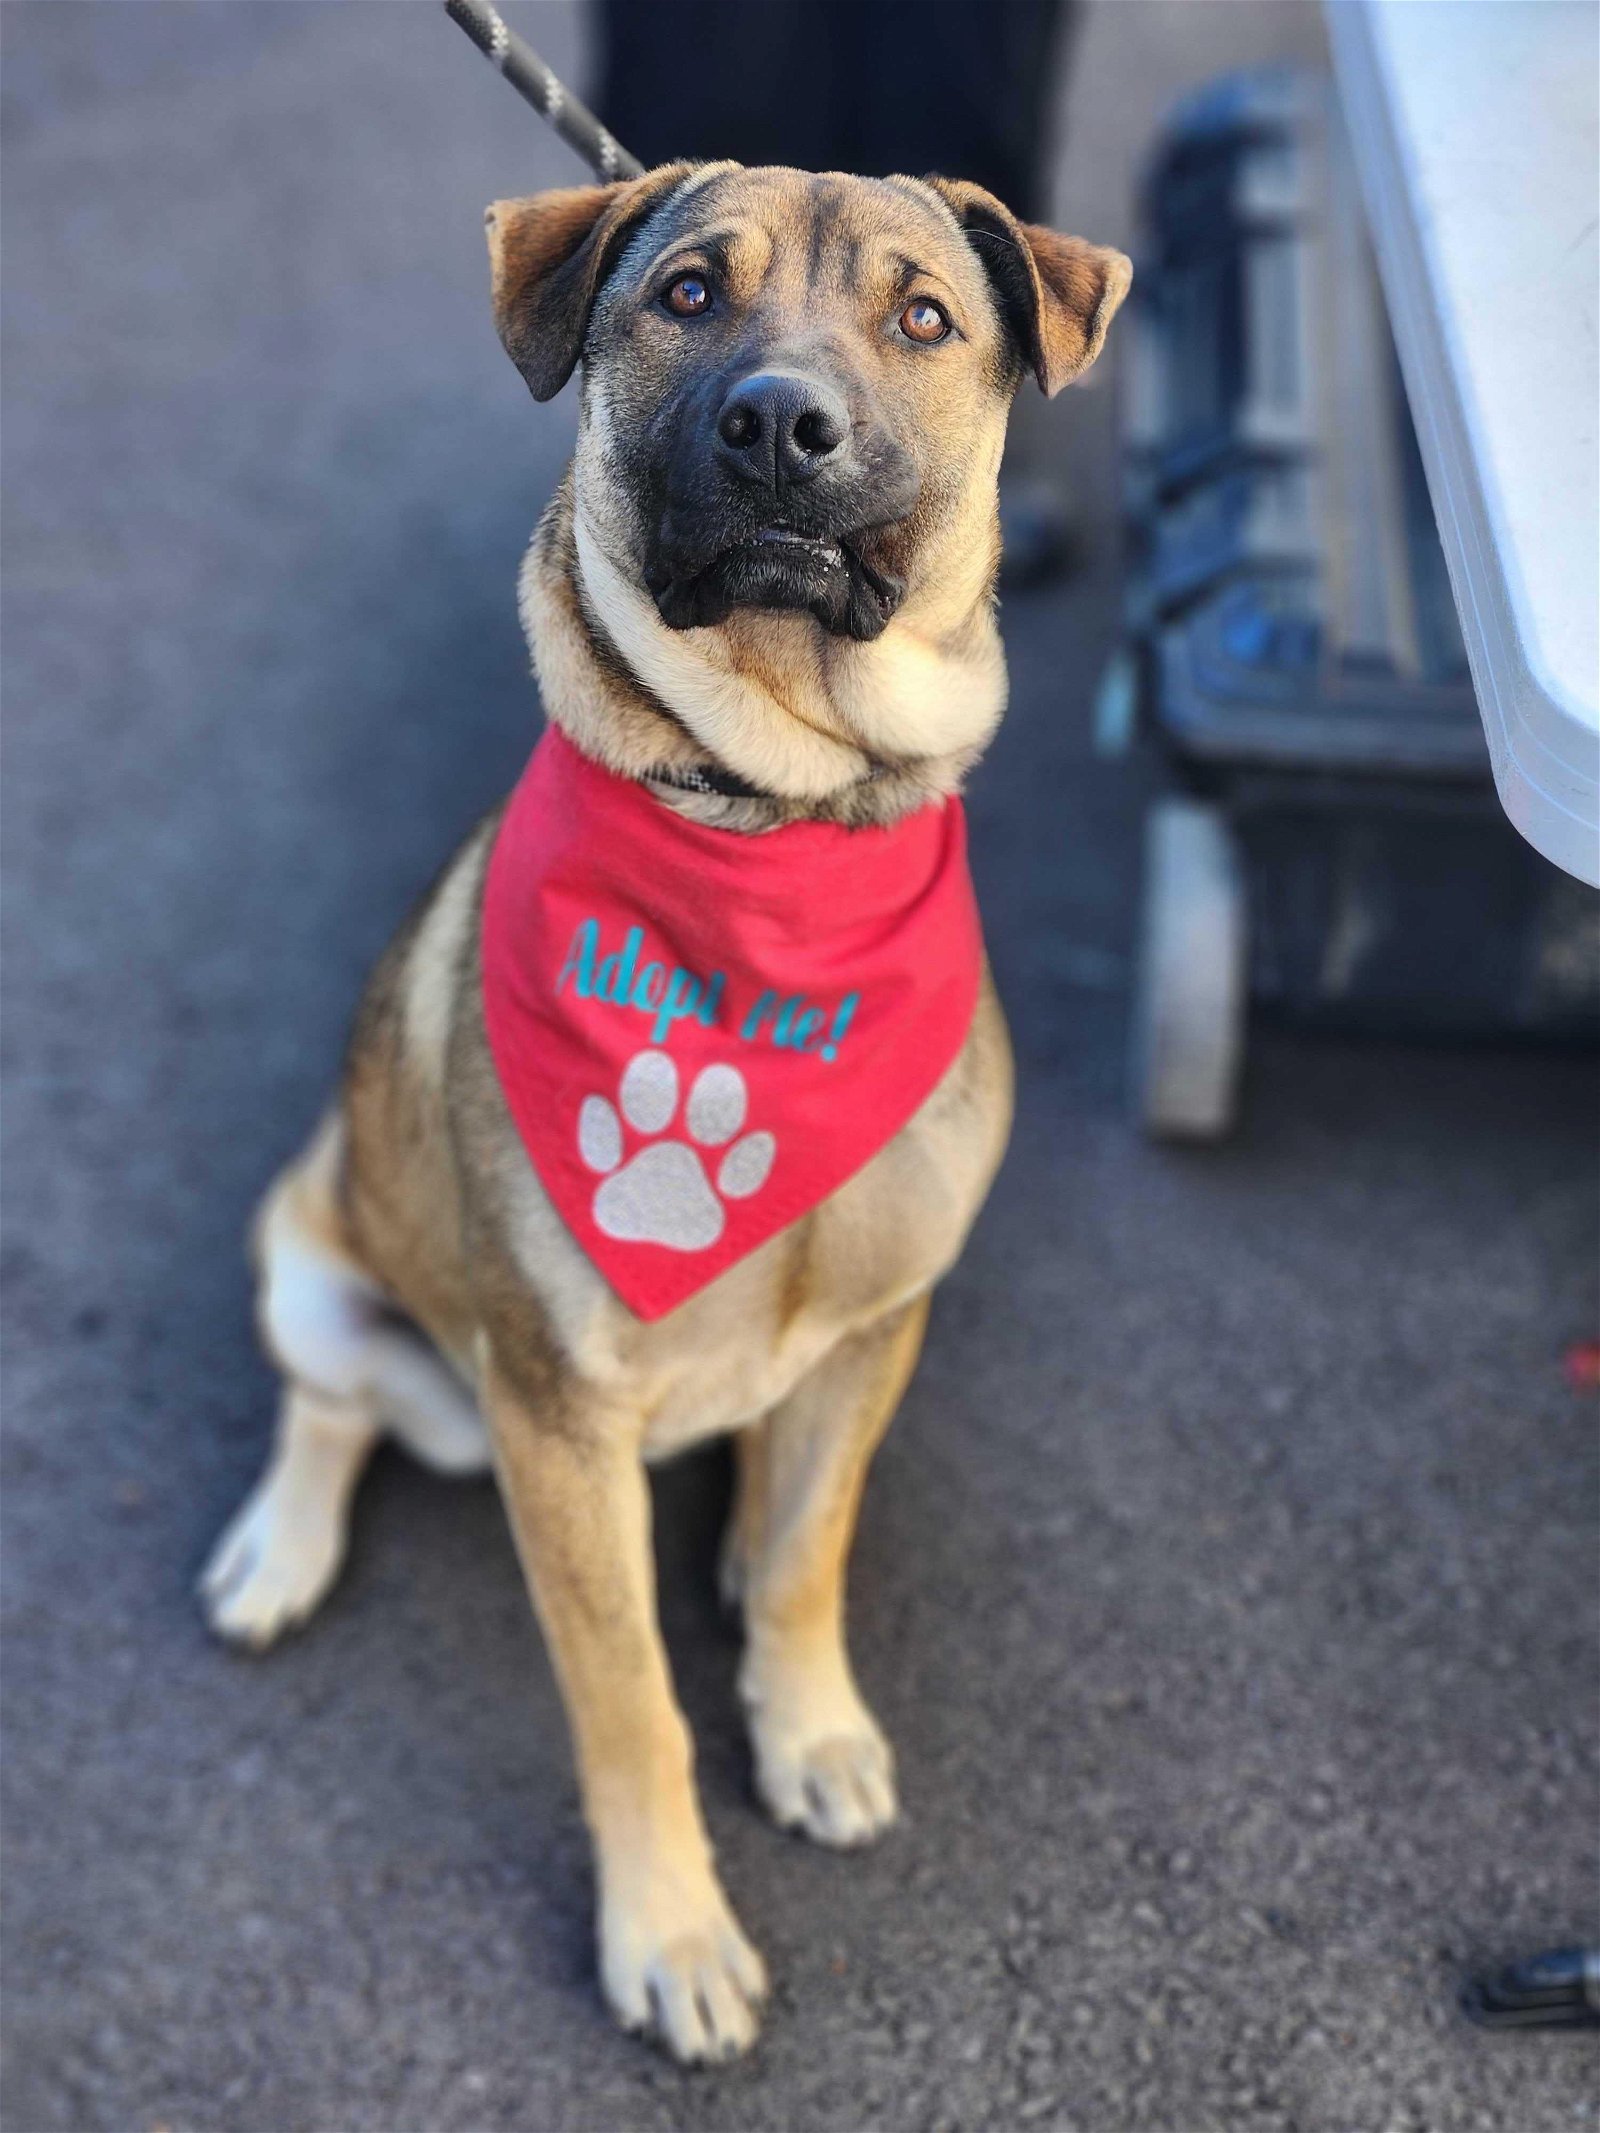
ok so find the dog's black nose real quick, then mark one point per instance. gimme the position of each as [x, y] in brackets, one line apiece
[781, 426]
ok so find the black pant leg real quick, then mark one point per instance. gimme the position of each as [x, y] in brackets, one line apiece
[963, 87]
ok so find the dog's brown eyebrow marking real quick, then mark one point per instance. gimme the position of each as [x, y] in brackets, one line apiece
[912, 271]
[714, 246]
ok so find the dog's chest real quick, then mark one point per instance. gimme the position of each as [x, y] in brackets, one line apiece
[743, 1346]
[718, 1393]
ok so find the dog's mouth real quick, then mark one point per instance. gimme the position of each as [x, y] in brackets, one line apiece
[782, 566]
[827, 550]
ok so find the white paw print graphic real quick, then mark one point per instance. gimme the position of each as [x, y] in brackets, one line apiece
[662, 1195]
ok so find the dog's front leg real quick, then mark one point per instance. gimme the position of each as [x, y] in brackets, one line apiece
[672, 1956]
[822, 1763]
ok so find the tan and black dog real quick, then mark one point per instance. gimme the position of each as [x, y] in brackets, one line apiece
[773, 561]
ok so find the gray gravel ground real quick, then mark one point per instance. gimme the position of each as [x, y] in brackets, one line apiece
[1227, 1583]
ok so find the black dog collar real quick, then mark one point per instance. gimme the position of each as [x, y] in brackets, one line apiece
[725, 784]
[728, 785]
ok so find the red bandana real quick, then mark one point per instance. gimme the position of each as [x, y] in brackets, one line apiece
[702, 1035]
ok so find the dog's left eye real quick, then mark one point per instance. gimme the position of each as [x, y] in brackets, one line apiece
[687, 297]
[922, 320]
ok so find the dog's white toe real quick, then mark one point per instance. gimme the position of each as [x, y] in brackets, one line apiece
[273, 1564]
[698, 1993]
[838, 1790]
[286, 1543]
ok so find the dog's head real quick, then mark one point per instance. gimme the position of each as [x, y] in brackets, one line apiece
[795, 387]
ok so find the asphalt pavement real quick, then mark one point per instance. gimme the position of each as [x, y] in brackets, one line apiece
[1227, 1584]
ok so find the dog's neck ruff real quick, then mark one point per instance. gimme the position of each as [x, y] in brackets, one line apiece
[701, 1036]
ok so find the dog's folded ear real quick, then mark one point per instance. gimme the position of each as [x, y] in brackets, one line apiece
[549, 254]
[1057, 294]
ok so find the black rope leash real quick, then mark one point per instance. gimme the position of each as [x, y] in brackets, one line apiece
[532, 79]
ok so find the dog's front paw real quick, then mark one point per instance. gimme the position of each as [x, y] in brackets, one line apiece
[695, 1985]
[273, 1563]
[828, 1773]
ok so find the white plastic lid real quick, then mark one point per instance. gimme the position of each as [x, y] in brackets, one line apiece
[1475, 131]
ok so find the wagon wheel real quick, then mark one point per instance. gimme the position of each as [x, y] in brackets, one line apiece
[1191, 990]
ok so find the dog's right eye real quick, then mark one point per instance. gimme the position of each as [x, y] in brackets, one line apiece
[687, 297]
[923, 320]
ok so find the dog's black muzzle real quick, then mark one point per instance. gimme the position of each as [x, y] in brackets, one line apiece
[778, 494]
